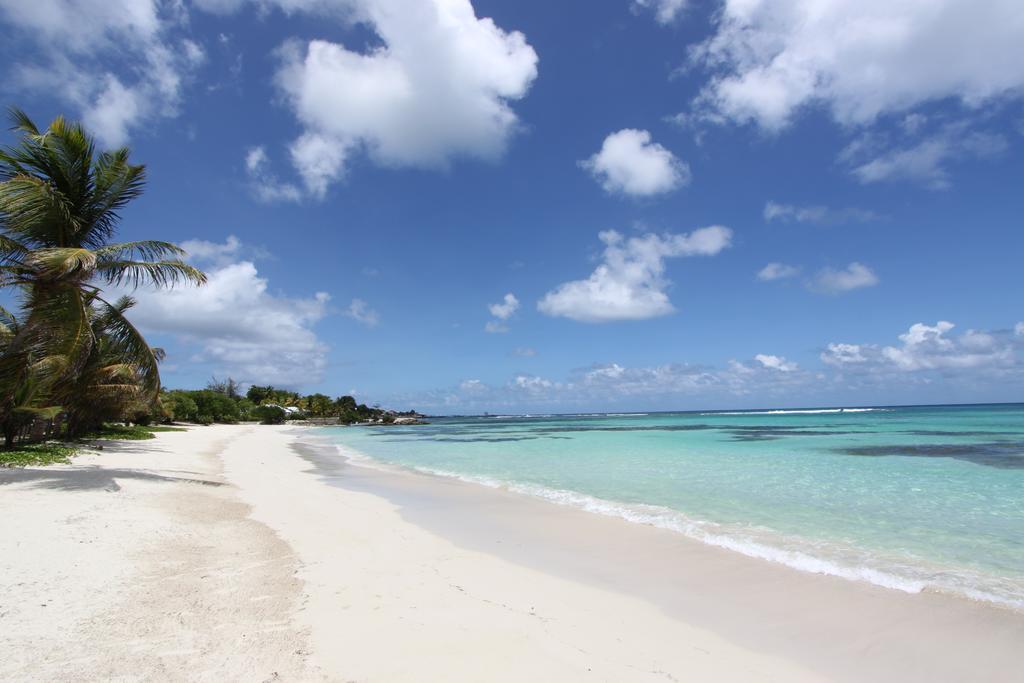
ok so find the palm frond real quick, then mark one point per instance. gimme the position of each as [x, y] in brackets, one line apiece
[130, 345]
[116, 183]
[22, 122]
[159, 273]
[147, 250]
[53, 264]
[58, 326]
[34, 210]
[11, 250]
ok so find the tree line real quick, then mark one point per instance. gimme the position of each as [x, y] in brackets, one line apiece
[224, 402]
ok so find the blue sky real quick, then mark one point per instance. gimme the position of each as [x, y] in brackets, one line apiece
[692, 205]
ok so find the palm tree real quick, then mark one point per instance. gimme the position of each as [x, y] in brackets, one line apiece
[119, 372]
[26, 401]
[60, 203]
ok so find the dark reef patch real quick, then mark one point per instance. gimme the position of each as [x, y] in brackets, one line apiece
[1002, 454]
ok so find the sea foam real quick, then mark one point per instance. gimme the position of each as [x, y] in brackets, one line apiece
[750, 541]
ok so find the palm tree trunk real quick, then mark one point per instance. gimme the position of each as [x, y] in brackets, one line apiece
[10, 432]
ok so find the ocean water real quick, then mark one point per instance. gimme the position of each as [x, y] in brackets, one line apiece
[915, 498]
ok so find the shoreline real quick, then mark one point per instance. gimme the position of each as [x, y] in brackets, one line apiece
[251, 552]
[694, 530]
[840, 620]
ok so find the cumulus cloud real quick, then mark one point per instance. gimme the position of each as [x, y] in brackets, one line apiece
[120, 63]
[777, 271]
[791, 213]
[630, 282]
[858, 58]
[231, 250]
[617, 384]
[212, 252]
[666, 11]
[437, 87]
[505, 309]
[843, 354]
[926, 347]
[873, 65]
[630, 163]
[361, 312]
[776, 363]
[835, 281]
[501, 311]
[927, 356]
[264, 184]
[235, 322]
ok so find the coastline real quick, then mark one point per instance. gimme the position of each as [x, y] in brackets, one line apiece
[289, 561]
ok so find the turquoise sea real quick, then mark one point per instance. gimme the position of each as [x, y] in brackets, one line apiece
[912, 498]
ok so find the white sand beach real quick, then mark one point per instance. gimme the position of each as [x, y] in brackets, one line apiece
[249, 553]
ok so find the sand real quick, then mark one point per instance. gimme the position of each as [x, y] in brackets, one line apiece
[239, 553]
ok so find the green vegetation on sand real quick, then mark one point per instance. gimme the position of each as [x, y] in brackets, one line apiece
[34, 454]
[129, 432]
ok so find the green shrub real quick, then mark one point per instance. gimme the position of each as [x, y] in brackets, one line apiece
[120, 432]
[245, 408]
[269, 415]
[143, 419]
[218, 406]
[204, 420]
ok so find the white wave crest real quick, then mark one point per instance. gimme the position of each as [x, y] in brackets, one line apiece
[772, 547]
[809, 411]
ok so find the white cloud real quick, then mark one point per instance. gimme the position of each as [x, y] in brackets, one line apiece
[630, 163]
[789, 213]
[923, 160]
[531, 384]
[214, 252]
[859, 58]
[505, 309]
[501, 311]
[121, 63]
[630, 284]
[264, 184]
[1018, 329]
[236, 324]
[471, 385]
[926, 347]
[972, 364]
[524, 352]
[777, 271]
[776, 363]
[854, 276]
[843, 354]
[320, 160]
[666, 11]
[361, 312]
[616, 384]
[438, 87]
